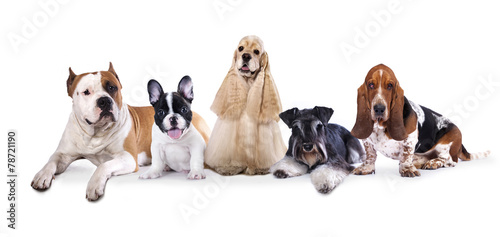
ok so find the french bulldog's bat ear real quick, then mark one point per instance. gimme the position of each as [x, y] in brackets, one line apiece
[185, 88]
[112, 70]
[155, 91]
[323, 113]
[289, 116]
[69, 82]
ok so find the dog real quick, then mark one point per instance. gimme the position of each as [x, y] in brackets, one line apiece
[325, 150]
[101, 128]
[176, 145]
[391, 124]
[246, 137]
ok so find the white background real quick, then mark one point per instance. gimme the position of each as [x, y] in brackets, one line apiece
[439, 52]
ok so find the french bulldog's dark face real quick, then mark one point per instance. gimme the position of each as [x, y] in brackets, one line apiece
[308, 139]
[173, 109]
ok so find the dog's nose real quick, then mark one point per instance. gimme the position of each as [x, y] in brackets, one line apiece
[173, 120]
[246, 57]
[379, 109]
[307, 147]
[104, 103]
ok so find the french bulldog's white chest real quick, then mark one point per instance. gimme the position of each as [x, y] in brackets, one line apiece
[174, 153]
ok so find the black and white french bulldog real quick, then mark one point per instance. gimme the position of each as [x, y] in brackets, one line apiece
[317, 147]
[176, 144]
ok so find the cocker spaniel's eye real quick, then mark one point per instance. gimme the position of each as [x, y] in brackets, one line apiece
[371, 85]
[390, 86]
[240, 48]
[256, 52]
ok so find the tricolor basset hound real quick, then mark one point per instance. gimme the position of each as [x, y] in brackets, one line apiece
[389, 123]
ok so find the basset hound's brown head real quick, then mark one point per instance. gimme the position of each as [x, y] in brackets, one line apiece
[380, 102]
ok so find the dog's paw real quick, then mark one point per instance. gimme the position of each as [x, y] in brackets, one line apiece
[438, 163]
[281, 174]
[95, 189]
[196, 175]
[408, 171]
[364, 169]
[229, 170]
[42, 180]
[150, 175]
[324, 188]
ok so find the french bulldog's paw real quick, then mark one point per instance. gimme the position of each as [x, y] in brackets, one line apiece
[196, 174]
[150, 175]
[42, 180]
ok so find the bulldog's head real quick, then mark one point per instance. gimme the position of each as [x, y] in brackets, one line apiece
[97, 99]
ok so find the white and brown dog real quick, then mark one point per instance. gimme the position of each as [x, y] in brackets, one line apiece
[246, 137]
[101, 128]
[403, 130]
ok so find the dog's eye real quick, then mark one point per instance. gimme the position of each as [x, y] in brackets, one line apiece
[86, 92]
[161, 113]
[390, 86]
[184, 110]
[112, 88]
[256, 52]
[319, 126]
[371, 85]
[240, 48]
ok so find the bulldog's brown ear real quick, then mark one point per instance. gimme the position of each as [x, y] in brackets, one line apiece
[69, 82]
[112, 70]
[364, 124]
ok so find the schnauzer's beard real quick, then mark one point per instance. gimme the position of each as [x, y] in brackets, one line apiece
[311, 158]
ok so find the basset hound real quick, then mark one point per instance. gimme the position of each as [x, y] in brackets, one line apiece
[391, 124]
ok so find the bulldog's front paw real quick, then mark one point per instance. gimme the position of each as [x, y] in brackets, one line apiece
[42, 180]
[95, 189]
[364, 169]
[408, 171]
[196, 174]
[150, 175]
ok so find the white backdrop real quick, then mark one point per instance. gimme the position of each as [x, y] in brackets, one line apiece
[445, 55]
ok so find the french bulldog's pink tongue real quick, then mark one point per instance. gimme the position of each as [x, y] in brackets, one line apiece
[174, 133]
[245, 68]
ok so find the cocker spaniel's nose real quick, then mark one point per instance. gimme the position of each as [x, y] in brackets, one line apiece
[246, 57]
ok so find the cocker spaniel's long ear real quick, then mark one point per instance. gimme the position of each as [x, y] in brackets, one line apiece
[271, 103]
[231, 98]
[364, 123]
[395, 124]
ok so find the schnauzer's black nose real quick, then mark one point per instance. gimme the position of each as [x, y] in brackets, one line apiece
[104, 103]
[246, 57]
[307, 146]
[173, 120]
[379, 109]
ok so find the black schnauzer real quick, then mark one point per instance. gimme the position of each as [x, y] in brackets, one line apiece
[317, 147]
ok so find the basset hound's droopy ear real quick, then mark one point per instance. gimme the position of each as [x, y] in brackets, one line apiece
[271, 103]
[395, 124]
[231, 98]
[364, 123]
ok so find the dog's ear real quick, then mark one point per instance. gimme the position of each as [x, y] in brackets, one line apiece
[155, 91]
[395, 124]
[231, 98]
[185, 88]
[323, 113]
[289, 116]
[364, 124]
[112, 70]
[271, 103]
[69, 82]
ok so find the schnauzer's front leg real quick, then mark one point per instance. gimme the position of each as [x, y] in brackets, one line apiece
[326, 177]
[288, 167]
[368, 166]
[122, 163]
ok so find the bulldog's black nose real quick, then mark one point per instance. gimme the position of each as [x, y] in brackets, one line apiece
[307, 147]
[104, 103]
[246, 57]
[379, 109]
[173, 120]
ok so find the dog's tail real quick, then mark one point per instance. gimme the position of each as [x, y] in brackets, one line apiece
[465, 155]
[355, 152]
